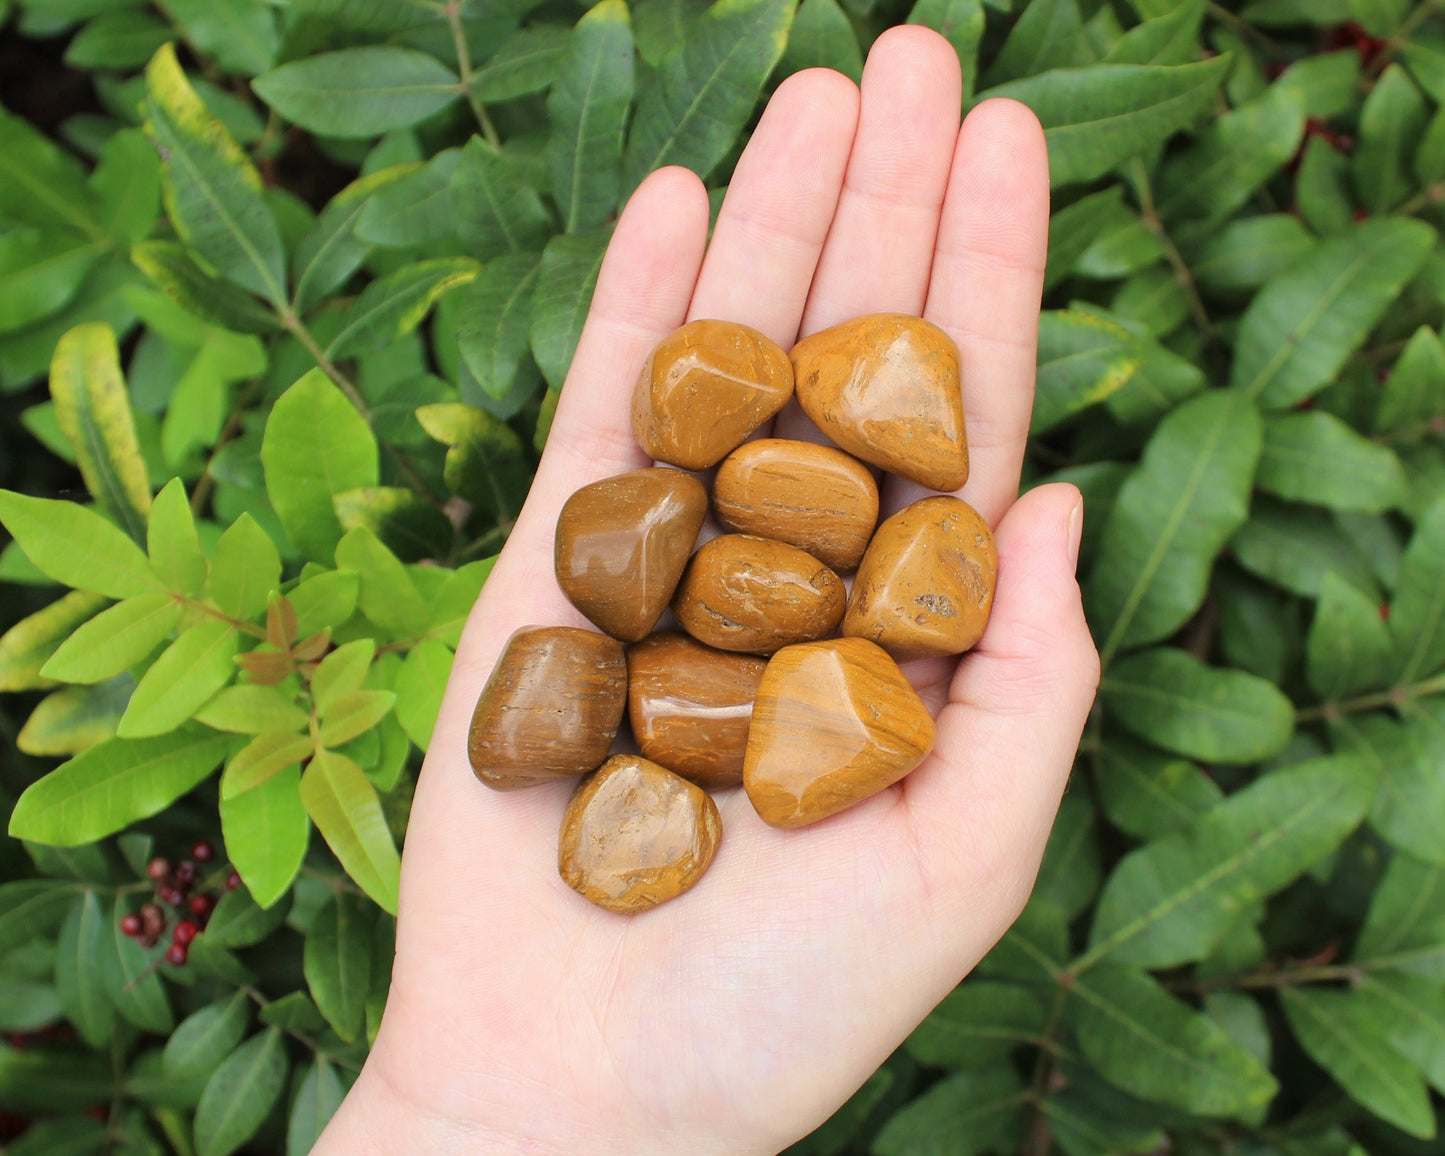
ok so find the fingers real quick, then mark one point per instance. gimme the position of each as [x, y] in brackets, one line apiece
[982, 806]
[779, 205]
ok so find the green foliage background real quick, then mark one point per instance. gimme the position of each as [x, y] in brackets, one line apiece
[283, 312]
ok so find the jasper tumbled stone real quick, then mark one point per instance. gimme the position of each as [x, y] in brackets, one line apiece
[887, 388]
[551, 708]
[754, 595]
[622, 543]
[834, 723]
[635, 835]
[925, 586]
[690, 706]
[704, 389]
[814, 497]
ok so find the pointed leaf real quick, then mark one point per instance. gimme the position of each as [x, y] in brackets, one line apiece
[353, 714]
[239, 921]
[41, 183]
[525, 62]
[264, 757]
[317, 1099]
[171, 539]
[347, 812]
[76, 546]
[1417, 616]
[244, 569]
[75, 718]
[978, 1024]
[486, 463]
[1391, 122]
[267, 833]
[332, 250]
[28, 646]
[1405, 925]
[1147, 793]
[496, 211]
[326, 599]
[568, 275]
[388, 595]
[1315, 457]
[494, 319]
[1409, 805]
[419, 687]
[1349, 648]
[341, 672]
[205, 1038]
[415, 208]
[359, 92]
[172, 271]
[412, 527]
[241, 1093]
[337, 961]
[1083, 358]
[252, 710]
[1414, 393]
[131, 981]
[962, 1115]
[115, 639]
[188, 672]
[79, 971]
[392, 306]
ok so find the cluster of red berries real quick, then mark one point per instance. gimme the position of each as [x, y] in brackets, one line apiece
[173, 888]
[1352, 35]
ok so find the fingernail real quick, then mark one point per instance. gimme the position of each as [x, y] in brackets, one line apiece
[1076, 532]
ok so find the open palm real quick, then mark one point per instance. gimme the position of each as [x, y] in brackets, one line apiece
[735, 1019]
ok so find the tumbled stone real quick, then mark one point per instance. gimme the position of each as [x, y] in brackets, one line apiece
[755, 595]
[886, 387]
[635, 835]
[925, 586]
[811, 496]
[551, 708]
[622, 543]
[704, 388]
[834, 723]
[690, 706]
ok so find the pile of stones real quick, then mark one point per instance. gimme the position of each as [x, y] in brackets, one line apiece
[758, 689]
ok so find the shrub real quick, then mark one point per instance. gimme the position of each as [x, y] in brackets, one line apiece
[304, 399]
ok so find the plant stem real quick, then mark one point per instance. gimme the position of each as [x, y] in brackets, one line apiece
[1396, 696]
[1171, 253]
[321, 1053]
[298, 329]
[464, 70]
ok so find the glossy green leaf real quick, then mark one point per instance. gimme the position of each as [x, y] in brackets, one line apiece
[326, 599]
[568, 275]
[486, 462]
[352, 714]
[412, 527]
[1391, 123]
[413, 209]
[1049, 34]
[332, 249]
[1414, 394]
[171, 270]
[388, 595]
[1304, 324]
[241, 1093]
[115, 639]
[345, 808]
[28, 646]
[337, 962]
[252, 710]
[239, 921]
[1083, 359]
[419, 687]
[454, 602]
[40, 183]
[79, 971]
[317, 1099]
[342, 672]
[40, 273]
[206, 1037]
[1409, 805]
[294, 1012]
[1315, 457]
[1296, 546]
[1246, 253]
[30, 909]
[525, 62]
[978, 1024]
[494, 319]
[131, 982]
[76, 546]
[1147, 793]
[392, 306]
[267, 833]
[262, 758]
[172, 542]
[821, 37]
[1349, 646]
[1404, 927]
[188, 672]
[1417, 615]
[962, 1115]
[359, 92]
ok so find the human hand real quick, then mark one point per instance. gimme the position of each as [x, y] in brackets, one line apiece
[738, 1017]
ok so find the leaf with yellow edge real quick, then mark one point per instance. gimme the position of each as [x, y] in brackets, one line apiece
[27, 646]
[346, 810]
[261, 759]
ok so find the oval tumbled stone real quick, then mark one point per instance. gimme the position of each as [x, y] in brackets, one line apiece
[887, 388]
[551, 708]
[814, 497]
[834, 723]
[754, 595]
[622, 543]
[926, 584]
[690, 706]
[704, 388]
[635, 835]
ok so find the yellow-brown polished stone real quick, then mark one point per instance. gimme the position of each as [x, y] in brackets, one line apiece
[690, 706]
[551, 708]
[814, 497]
[622, 543]
[925, 586]
[834, 723]
[886, 387]
[755, 595]
[635, 835]
[704, 388]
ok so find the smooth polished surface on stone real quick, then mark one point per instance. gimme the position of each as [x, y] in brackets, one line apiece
[690, 706]
[814, 497]
[835, 722]
[754, 595]
[622, 543]
[551, 708]
[886, 387]
[704, 388]
[635, 835]
[926, 584]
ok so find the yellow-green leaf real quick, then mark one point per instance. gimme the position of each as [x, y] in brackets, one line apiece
[263, 758]
[172, 541]
[252, 710]
[29, 644]
[191, 670]
[353, 714]
[76, 546]
[346, 810]
[115, 639]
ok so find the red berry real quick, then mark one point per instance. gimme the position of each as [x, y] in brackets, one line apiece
[201, 905]
[233, 880]
[185, 932]
[99, 1112]
[185, 873]
[158, 868]
[153, 920]
[130, 925]
[172, 895]
[176, 955]
[203, 852]
[1385, 611]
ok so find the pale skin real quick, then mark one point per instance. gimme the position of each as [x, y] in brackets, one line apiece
[736, 1018]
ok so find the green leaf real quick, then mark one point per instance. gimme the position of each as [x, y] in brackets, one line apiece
[1244, 254]
[79, 971]
[1174, 899]
[659, 26]
[1405, 925]
[131, 981]
[171, 539]
[420, 683]
[1096, 117]
[239, 35]
[342, 672]
[1214, 714]
[411, 526]
[76, 718]
[388, 595]
[76, 546]
[392, 306]
[345, 808]
[1338, 1032]
[1170, 38]
[1315, 457]
[337, 962]
[40, 273]
[1189, 493]
[113, 784]
[294, 1012]
[962, 1115]
[239, 921]
[960, 22]
[1083, 359]
[1297, 546]
[691, 109]
[316, 446]
[1410, 804]
[205, 1038]
[978, 1024]
[822, 37]
[1048, 34]
[172, 271]
[486, 462]
[241, 1093]
[525, 62]
[28, 646]
[267, 833]
[212, 191]
[115, 639]
[1412, 1014]
[588, 107]
[31, 909]
[1302, 327]
[264, 757]
[1414, 393]
[244, 569]
[568, 275]
[42, 184]
[1148, 794]
[494, 318]
[127, 184]
[1349, 648]
[124, 39]
[414, 209]
[1153, 1046]
[188, 672]
[453, 603]
[332, 250]
[359, 92]
[1417, 615]
[253, 710]
[1391, 121]
[494, 208]
[353, 714]
[317, 1099]
[327, 599]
